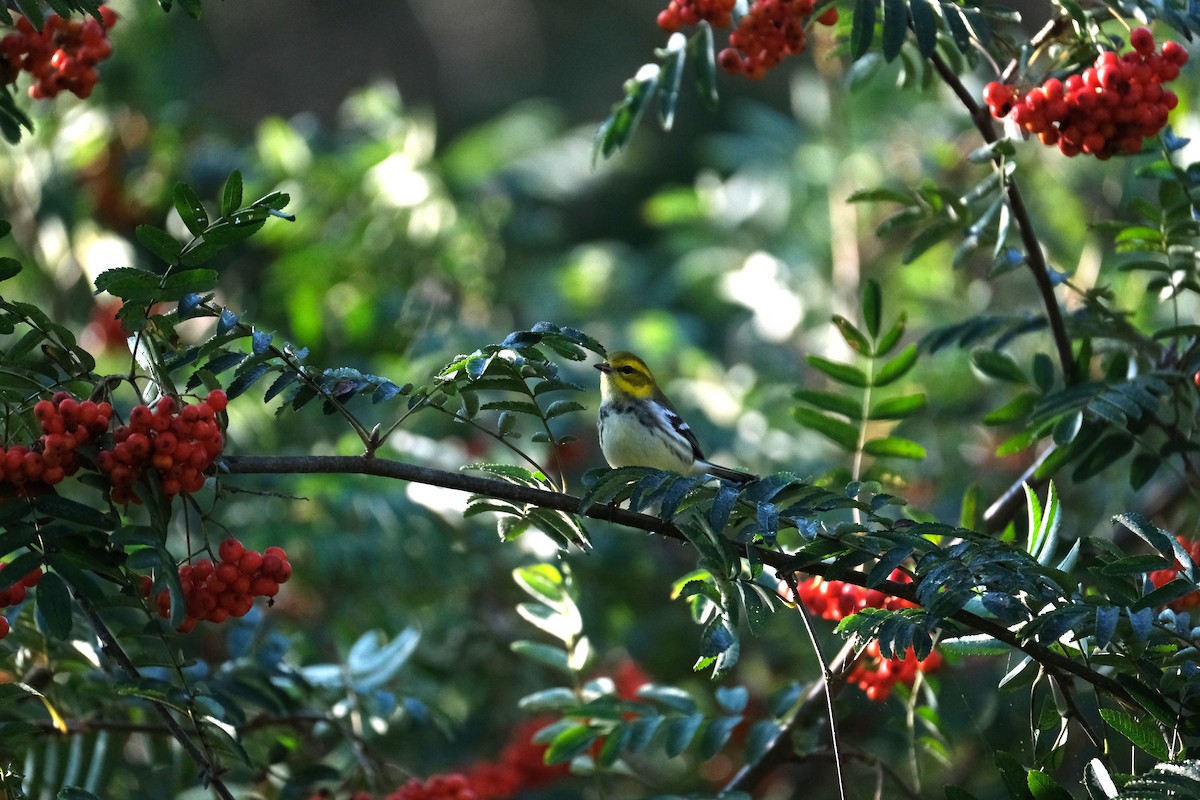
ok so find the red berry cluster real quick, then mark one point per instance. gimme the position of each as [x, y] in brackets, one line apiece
[771, 31]
[836, 600]
[689, 12]
[61, 56]
[877, 676]
[521, 767]
[1106, 110]
[66, 424]
[874, 674]
[16, 593]
[216, 592]
[179, 443]
[1162, 577]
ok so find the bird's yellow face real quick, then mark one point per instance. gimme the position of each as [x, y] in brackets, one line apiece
[625, 373]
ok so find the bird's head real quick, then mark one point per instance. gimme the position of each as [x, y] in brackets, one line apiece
[625, 373]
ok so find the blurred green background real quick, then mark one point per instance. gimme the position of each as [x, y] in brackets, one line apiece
[438, 156]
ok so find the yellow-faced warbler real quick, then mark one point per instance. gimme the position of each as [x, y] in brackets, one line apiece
[640, 428]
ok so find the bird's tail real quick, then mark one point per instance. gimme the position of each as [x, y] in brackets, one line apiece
[725, 473]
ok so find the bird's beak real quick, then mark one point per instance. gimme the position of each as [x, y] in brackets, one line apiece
[604, 367]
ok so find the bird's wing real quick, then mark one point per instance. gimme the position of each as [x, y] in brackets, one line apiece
[672, 418]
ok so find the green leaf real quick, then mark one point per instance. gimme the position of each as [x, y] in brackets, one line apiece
[1144, 733]
[569, 743]
[862, 30]
[547, 655]
[890, 339]
[896, 368]
[897, 407]
[73, 511]
[853, 336]
[759, 739]
[190, 209]
[842, 373]
[997, 365]
[935, 233]
[925, 26]
[542, 582]
[701, 51]
[668, 696]
[680, 732]
[1015, 409]
[842, 433]
[895, 27]
[231, 195]
[848, 407]
[33, 10]
[894, 447]
[159, 242]
[75, 793]
[872, 306]
[1044, 787]
[717, 735]
[54, 605]
[9, 267]
[618, 128]
[672, 78]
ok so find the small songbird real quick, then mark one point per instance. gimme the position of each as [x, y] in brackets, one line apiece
[640, 428]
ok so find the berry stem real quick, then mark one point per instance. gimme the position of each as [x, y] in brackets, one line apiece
[1034, 258]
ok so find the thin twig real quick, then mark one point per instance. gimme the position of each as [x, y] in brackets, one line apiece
[780, 750]
[1034, 258]
[112, 648]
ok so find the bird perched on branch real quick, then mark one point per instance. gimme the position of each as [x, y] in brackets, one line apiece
[640, 428]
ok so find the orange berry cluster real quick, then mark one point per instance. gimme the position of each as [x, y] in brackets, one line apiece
[877, 676]
[1162, 577]
[216, 592]
[66, 424]
[689, 12]
[15, 593]
[836, 600]
[521, 767]
[771, 31]
[1109, 109]
[179, 443]
[61, 56]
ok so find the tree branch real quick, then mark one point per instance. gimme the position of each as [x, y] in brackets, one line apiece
[1034, 258]
[781, 562]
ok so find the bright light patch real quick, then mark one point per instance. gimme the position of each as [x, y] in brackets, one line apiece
[396, 183]
[760, 286]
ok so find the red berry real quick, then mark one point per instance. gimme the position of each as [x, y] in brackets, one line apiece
[217, 400]
[230, 550]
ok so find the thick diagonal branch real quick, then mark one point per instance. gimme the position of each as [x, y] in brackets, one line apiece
[781, 562]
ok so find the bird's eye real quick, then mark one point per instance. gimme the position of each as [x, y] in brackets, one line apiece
[626, 370]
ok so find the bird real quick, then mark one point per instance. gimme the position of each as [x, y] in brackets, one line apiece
[640, 428]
